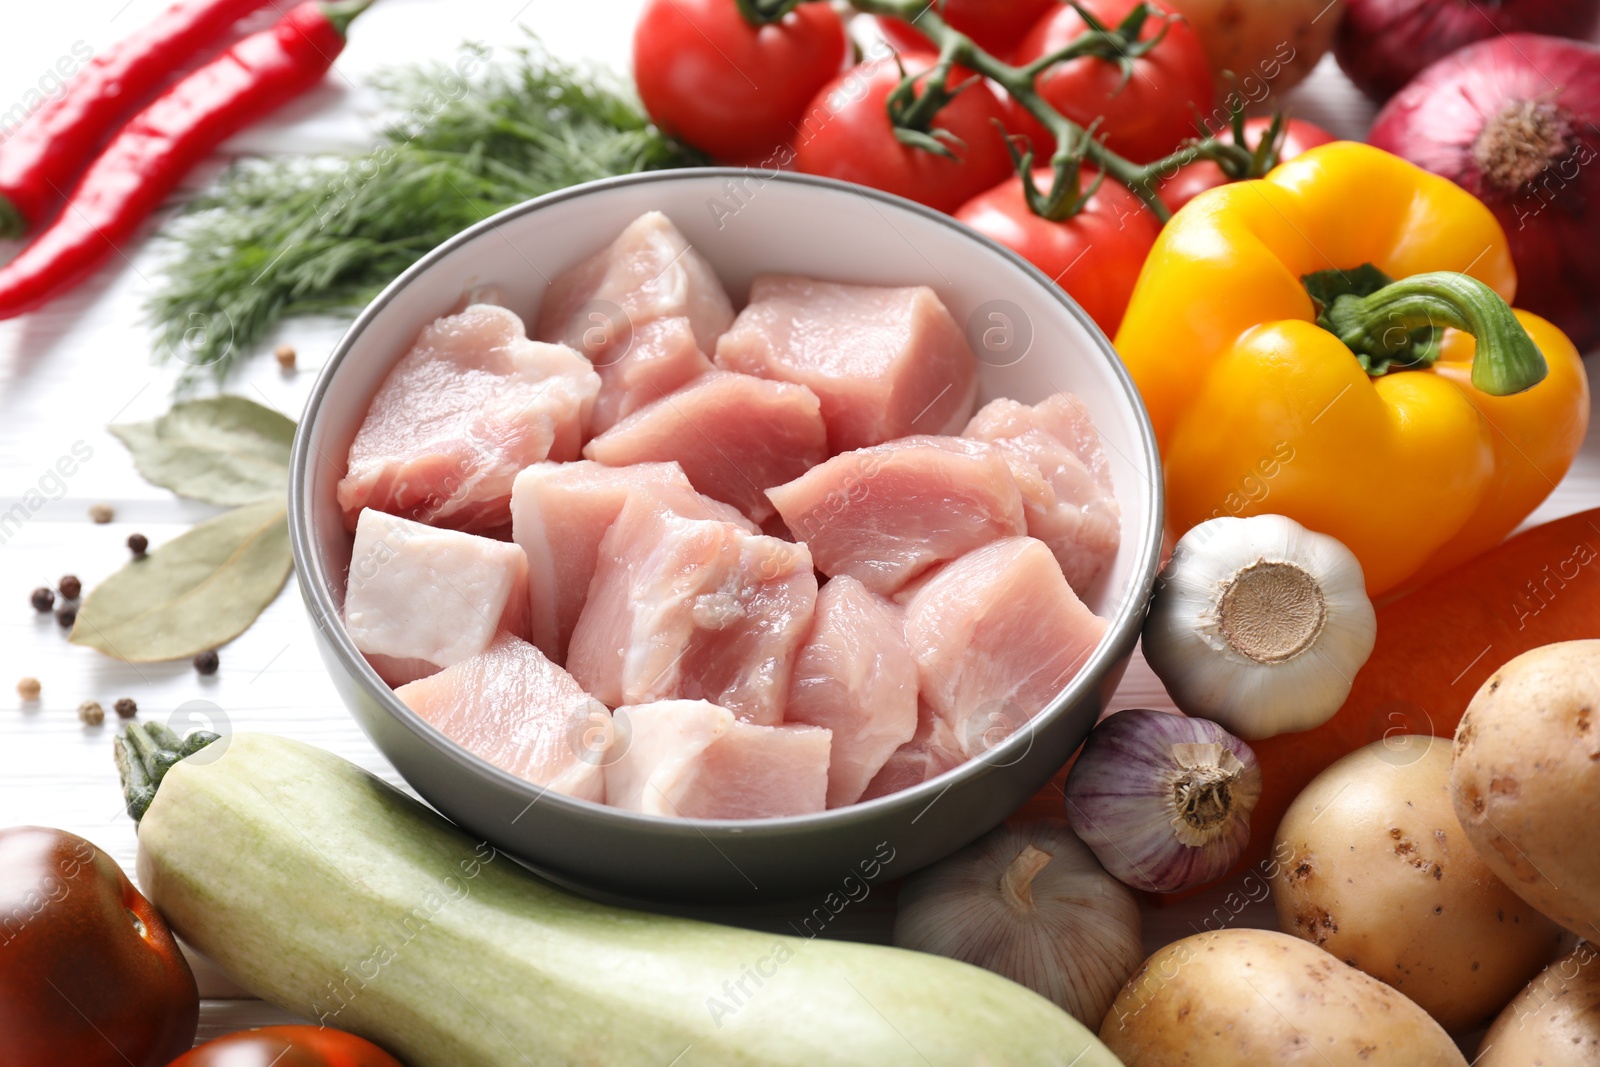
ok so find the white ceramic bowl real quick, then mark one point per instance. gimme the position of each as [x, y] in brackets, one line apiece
[1033, 340]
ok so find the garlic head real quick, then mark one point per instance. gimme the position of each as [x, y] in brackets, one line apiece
[1260, 625]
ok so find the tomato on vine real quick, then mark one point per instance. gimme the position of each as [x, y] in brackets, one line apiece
[1148, 103]
[1095, 255]
[1192, 179]
[848, 134]
[732, 89]
[998, 26]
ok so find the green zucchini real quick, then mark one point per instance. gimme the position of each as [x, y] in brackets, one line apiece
[329, 893]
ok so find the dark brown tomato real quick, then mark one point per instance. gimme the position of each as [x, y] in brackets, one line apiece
[89, 973]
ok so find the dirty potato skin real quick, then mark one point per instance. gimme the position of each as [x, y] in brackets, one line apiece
[1526, 779]
[1231, 997]
[1380, 873]
[1555, 1022]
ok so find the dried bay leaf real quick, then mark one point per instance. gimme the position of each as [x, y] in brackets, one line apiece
[197, 591]
[222, 450]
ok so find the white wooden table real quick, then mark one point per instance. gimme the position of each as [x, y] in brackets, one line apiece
[83, 362]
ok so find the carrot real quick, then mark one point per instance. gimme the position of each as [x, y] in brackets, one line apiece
[1436, 646]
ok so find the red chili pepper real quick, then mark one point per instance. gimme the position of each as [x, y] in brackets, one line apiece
[146, 161]
[44, 155]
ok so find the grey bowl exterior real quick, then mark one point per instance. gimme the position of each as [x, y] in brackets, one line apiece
[666, 861]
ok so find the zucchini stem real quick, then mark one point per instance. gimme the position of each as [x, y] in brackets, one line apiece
[145, 753]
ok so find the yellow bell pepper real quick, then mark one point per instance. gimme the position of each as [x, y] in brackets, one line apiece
[1417, 420]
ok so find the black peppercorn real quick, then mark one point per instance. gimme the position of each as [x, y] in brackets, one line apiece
[125, 708]
[137, 543]
[69, 586]
[206, 662]
[42, 599]
[66, 615]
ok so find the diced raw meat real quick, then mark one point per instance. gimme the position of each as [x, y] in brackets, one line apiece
[420, 599]
[997, 635]
[734, 436]
[696, 609]
[691, 759]
[658, 358]
[885, 514]
[856, 677]
[1055, 455]
[559, 513]
[469, 406]
[932, 750]
[649, 272]
[514, 708]
[885, 362]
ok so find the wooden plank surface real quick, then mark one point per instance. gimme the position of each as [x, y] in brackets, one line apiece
[85, 361]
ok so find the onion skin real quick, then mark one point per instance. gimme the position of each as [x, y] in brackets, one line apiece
[1383, 44]
[1120, 800]
[1553, 220]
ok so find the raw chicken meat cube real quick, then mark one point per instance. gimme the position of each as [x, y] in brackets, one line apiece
[657, 358]
[856, 677]
[421, 599]
[559, 513]
[692, 759]
[469, 406]
[511, 706]
[734, 436]
[997, 635]
[695, 609]
[932, 750]
[649, 272]
[885, 514]
[885, 362]
[1055, 455]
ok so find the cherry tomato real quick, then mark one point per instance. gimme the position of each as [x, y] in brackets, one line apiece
[1149, 117]
[1095, 256]
[1192, 179]
[729, 88]
[998, 26]
[288, 1046]
[847, 135]
[89, 973]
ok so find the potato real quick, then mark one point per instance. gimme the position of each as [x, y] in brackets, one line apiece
[1526, 779]
[1269, 45]
[1379, 873]
[1555, 1022]
[1231, 997]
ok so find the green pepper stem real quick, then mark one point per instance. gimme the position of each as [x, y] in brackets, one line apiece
[12, 224]
[1507, 361]
[341, 13]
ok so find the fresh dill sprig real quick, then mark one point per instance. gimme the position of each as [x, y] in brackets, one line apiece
[276, 238]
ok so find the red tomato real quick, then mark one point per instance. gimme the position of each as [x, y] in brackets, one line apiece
[726, 87]
[998, 26]
[1192, 179]
[1095, 256]
[1150, 116]
[89, 973]
[847, 135]
[287, 1046]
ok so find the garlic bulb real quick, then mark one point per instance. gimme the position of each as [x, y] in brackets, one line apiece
[1163, 800]
[1030, 903]
[1260, 625]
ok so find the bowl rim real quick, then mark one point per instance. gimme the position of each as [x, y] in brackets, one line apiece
[309, 559]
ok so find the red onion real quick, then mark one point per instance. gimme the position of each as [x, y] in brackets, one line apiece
[1163, 801]
[1383, 44]
[1512, 121]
